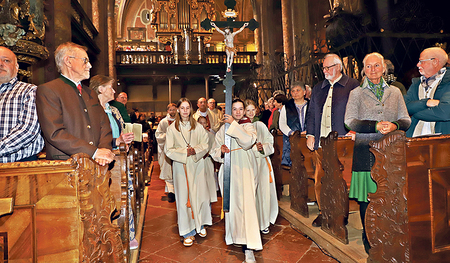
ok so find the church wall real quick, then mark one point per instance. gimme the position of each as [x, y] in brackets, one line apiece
[59, 30]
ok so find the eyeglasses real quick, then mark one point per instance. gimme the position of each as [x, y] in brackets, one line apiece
[423, 60]
[85, 60]
[328, 68]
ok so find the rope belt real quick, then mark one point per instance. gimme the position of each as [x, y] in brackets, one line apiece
[188, 204]
[270, 170]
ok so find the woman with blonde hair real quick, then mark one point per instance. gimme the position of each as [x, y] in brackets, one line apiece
[186, 144]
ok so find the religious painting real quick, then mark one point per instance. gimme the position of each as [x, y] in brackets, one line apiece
[136, 33]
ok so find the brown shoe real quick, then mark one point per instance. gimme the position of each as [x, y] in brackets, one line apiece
[285, 167]
[318, 221]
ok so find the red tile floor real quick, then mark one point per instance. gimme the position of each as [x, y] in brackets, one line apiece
[161, 242]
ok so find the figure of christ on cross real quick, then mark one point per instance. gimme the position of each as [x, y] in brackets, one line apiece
[230, 50]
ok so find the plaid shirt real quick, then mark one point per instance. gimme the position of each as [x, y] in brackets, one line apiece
[20, 132]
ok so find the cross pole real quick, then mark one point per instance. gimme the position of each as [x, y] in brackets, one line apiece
[229, 83]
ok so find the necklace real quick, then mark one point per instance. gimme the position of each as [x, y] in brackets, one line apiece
[182, 135]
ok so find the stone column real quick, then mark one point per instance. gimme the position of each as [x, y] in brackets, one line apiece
[111, 37]
[256, 5]
[175, 49]
[170, 90]
[286, 19]
[200, 49]
[206, 88]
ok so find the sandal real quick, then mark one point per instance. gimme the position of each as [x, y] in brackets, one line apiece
[189, 241]
[202, 233]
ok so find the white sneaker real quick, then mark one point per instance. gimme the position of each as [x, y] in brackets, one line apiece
[189, 241]
[249, 257]
[202, 233]
[265, 231]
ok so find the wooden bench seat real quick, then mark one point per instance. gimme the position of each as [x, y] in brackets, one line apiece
[61, 211]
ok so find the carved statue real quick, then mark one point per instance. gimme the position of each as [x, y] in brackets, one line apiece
[230, 50]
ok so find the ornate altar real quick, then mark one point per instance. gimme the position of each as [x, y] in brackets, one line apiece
[22, 29]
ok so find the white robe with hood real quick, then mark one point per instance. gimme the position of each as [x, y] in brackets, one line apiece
[266, 193]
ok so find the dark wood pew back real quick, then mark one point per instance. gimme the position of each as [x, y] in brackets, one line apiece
[408, 217]
[119, 189]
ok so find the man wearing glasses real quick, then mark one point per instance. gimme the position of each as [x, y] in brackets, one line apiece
[71, 117]
[326, 113]
[428, 97]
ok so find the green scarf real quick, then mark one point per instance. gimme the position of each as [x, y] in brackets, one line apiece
[377, 89]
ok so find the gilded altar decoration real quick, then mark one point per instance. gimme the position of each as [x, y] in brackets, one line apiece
[22, 29]
[11, 34]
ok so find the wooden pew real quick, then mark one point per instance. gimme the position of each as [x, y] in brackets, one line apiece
[298, 187]
[408, 217]
[58, 210]
[275, 158]
[138, 169]
[334, 192]
[283, 176]
[119, 190]
[335, 169]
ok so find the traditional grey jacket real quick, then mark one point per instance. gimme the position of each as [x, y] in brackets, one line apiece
[363, 113]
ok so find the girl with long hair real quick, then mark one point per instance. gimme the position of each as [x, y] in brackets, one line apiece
[186, 144]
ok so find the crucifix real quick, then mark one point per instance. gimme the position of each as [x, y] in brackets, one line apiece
[230, 14]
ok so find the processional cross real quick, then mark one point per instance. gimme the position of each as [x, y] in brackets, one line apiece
[230, 14]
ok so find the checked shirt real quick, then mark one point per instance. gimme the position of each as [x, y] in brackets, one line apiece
[20, 133]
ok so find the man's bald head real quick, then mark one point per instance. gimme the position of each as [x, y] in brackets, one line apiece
[8, 65]
[212, 104]
[431, 60]
[122, 98]
[201, 104]
[439, 54]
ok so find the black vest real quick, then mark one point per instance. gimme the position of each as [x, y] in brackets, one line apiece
[292, 116]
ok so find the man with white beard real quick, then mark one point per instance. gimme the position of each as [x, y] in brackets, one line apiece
[326, 113]
[165, 163]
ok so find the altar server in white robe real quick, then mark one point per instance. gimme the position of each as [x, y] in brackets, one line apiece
[186, 144]
[209, 165]
[165, 164]
[266, 193]
[241, 222]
